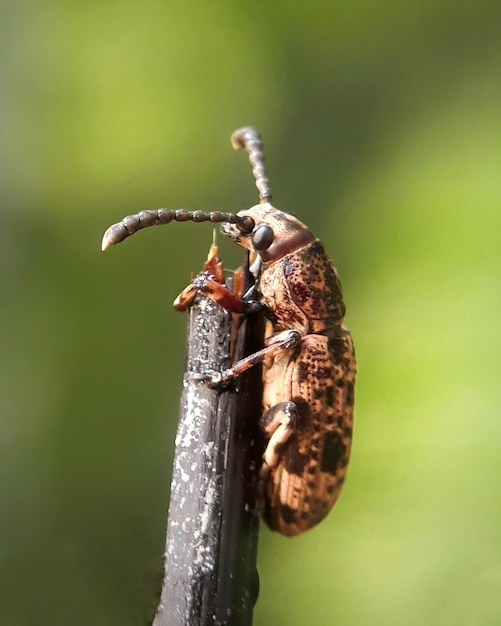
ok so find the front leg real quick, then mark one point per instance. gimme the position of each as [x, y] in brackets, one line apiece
[209, 286]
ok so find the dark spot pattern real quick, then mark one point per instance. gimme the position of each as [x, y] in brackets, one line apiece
[303, 412]
[302, 371]
[288, 514]
[323, 372]
[350, 393]
[333, 452]
[337, 349]
[294, 461]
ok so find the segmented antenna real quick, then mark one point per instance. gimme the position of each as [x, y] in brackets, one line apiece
[132, 223]
[248, 138]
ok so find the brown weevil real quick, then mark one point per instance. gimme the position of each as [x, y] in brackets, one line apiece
[308, 359]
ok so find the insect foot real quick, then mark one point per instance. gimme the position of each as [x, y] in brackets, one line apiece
[214, 380]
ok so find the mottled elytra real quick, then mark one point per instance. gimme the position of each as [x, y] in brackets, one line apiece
[308, 359]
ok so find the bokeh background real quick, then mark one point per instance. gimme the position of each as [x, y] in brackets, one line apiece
[382, 128]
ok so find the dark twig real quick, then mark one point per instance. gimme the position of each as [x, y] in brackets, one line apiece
[210, 565]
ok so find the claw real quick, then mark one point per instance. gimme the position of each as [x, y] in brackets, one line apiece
[213, 379]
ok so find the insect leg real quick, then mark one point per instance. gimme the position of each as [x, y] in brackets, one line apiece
[213, 268]
[286, 340]
[184, 300]
[223, 296]
[214, 290]
[278, 423]
[211, 287]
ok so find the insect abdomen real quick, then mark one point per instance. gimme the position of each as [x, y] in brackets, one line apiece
[303, 487]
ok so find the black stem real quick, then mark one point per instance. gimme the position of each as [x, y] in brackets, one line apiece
[210, 566]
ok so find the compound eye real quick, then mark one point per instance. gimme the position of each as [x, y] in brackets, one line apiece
[262, 237]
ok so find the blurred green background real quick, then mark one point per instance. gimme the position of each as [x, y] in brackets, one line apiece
[382, 128]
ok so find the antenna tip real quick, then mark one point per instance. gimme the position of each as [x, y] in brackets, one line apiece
[242, 135]
[114, 234]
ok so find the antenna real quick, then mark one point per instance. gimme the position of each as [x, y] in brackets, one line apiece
[132, 223]
[248, 138]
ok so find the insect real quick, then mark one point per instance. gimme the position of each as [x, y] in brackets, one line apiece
[308, 356]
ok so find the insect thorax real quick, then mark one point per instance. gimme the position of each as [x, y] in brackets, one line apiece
[309, 290]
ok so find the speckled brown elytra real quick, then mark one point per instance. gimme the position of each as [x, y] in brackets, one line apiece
[308, 359]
